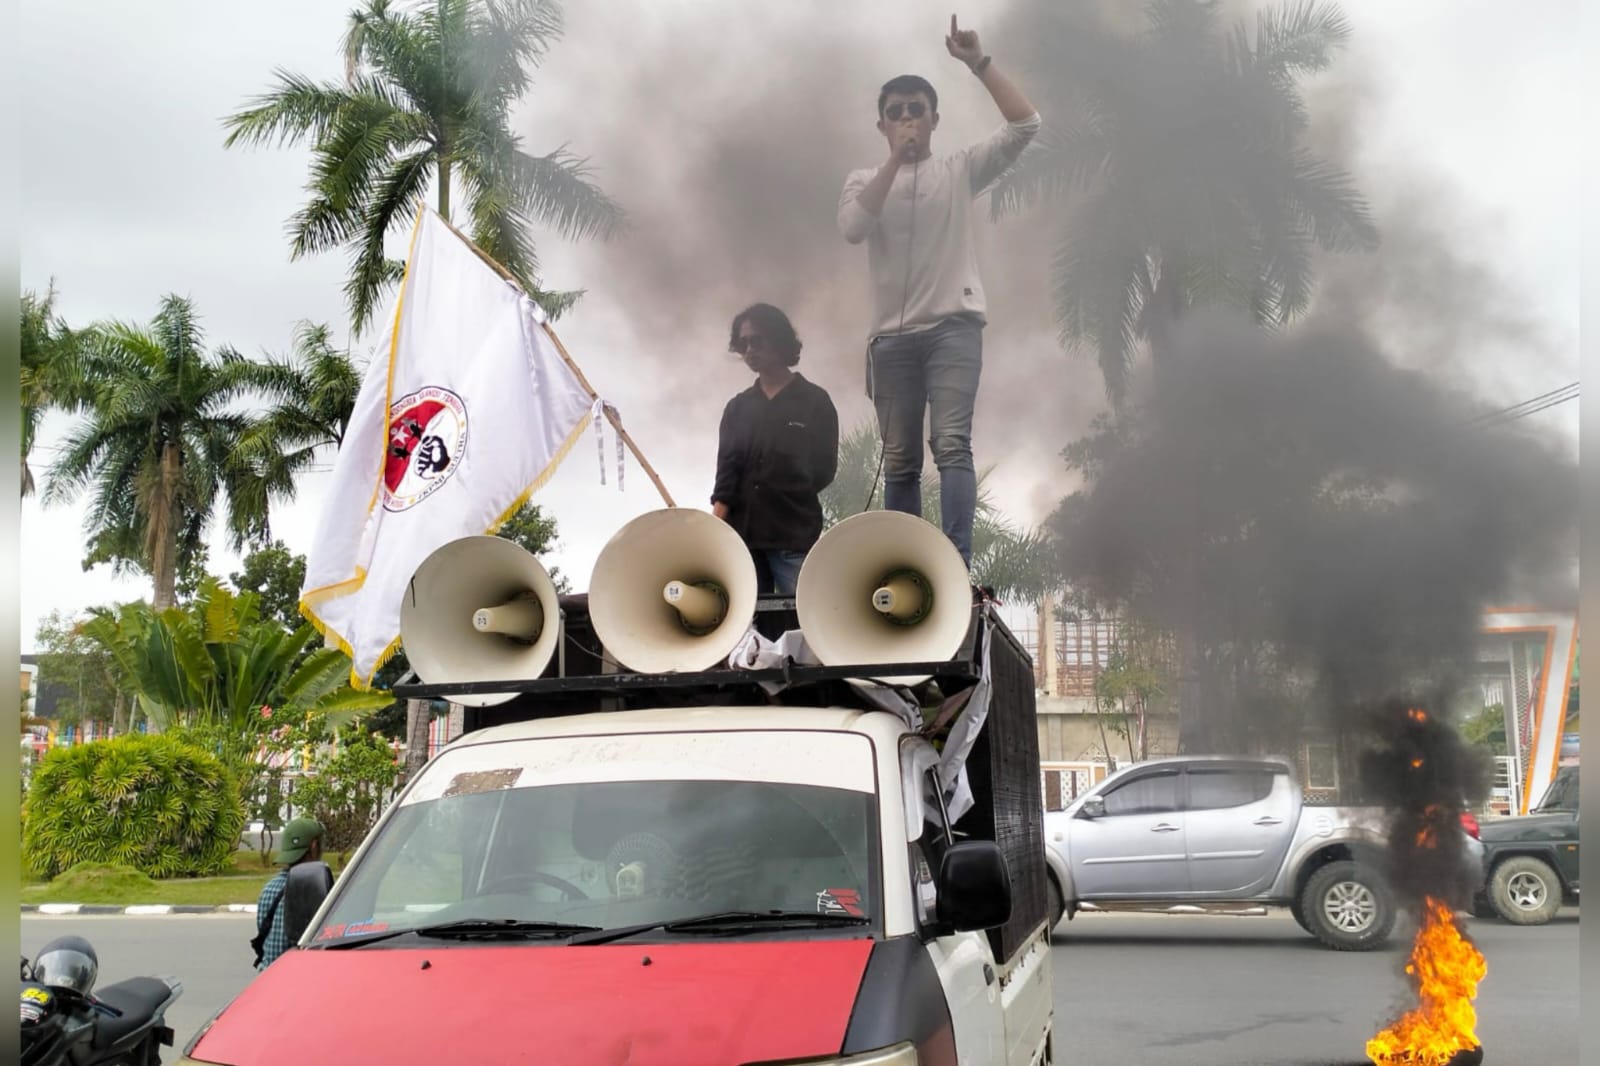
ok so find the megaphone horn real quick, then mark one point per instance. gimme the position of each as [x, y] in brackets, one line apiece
[480, 609]
[674, 590]
[520, 619]
[884, 587]
[904, 598]
[701, 606]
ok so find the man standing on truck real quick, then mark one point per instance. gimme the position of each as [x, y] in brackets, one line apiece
[925, 346]
[302, 842]
[777, 448]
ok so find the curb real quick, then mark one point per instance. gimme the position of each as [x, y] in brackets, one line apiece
[141, 909]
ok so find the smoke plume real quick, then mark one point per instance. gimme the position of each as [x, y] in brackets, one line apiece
[1345, 521]
[741, 124]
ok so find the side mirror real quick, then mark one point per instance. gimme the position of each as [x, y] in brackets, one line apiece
[1093, 807]
[308, 885]
[974, 886]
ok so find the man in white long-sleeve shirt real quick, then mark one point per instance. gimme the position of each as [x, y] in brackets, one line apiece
[925, 347]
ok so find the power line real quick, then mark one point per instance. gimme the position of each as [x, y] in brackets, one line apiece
[1532, 405]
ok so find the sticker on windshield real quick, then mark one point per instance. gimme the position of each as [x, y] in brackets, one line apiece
[466, 784]
[840, 901]
[334, 932]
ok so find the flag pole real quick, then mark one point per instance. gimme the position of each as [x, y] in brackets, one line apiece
[610, 413]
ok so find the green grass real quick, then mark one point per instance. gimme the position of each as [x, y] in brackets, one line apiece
[123, 886]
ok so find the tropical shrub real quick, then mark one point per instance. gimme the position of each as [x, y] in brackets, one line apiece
[346, 792]
[155, 803]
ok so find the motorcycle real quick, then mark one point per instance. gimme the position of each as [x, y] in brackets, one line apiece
[67, 1022]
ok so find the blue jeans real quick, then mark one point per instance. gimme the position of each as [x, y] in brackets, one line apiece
[777, 570]
[937, 369]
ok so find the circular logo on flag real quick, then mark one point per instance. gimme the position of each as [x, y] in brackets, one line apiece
[427, 438]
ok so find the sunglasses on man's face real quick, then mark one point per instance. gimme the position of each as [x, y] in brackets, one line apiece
[913, 109]
[753, 343]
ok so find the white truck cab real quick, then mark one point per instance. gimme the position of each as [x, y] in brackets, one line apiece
[721, 885]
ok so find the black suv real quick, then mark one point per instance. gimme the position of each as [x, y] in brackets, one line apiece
[1532, 861]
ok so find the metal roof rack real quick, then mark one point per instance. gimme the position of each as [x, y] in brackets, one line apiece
[789, 674]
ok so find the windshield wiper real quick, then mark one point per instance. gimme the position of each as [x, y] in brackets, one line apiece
[474, 929]
[726, 922]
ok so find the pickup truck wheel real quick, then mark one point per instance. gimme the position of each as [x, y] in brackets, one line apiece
[1348, 907]
[1298, 913]
[1058, 907]
[1525, 891]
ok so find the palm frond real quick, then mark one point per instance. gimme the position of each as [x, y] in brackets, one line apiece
[556, 302]
[357, 30]
[346, 165]
[1101, 283]
[508, 37]
[404, 51]
[498, 226]
[1336, 214]
[1061, 160]
[1300, 37]
[556, 190]
[397, 199]
[297, 109]
[1187, 23]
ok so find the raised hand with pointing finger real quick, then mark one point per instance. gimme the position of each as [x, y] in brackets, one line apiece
[963, 44]
[916, 213]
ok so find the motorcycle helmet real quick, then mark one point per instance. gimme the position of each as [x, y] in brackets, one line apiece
[67, 964]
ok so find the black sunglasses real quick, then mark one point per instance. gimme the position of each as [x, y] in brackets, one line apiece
[746, 345]
[914, 108]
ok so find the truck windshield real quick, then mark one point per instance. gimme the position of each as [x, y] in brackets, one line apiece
[490, 840]
[1562, 795]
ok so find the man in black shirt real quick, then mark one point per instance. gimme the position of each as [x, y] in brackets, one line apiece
[777, 448]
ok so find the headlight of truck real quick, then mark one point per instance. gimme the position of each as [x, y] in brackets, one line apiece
[899, 1055]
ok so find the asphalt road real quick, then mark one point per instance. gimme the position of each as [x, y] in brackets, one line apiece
[209, 953]
[1142, 989]
[1160, 990]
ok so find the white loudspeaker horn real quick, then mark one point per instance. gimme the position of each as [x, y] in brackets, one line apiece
[884, 587]
[674, 590]
[480, 609]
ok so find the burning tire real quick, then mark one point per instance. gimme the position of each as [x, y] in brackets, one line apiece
[1348, 907]
[1525, 891]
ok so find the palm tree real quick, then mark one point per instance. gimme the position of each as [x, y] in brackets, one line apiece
[1183, 180]
[157, 446]
[48, 376]
[312, 393]
[426, 98]
[1013, 561]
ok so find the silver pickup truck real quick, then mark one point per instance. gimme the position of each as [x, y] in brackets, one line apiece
[1224, 835]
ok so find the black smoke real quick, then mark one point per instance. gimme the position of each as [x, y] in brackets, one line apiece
[1303, 491]
[1331, 526]
[1416, 766]
[1344, 519]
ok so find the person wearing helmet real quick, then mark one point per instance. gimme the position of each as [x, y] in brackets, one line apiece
[302, 842]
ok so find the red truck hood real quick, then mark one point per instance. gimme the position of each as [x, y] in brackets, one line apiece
[608, 1005]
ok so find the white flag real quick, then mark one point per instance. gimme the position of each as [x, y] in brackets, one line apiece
[470, 413]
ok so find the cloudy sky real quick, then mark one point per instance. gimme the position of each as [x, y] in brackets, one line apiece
[725, 127]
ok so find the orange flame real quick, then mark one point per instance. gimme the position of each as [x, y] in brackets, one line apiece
[1428, 835]
[1417, 714]
[1447, 968]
